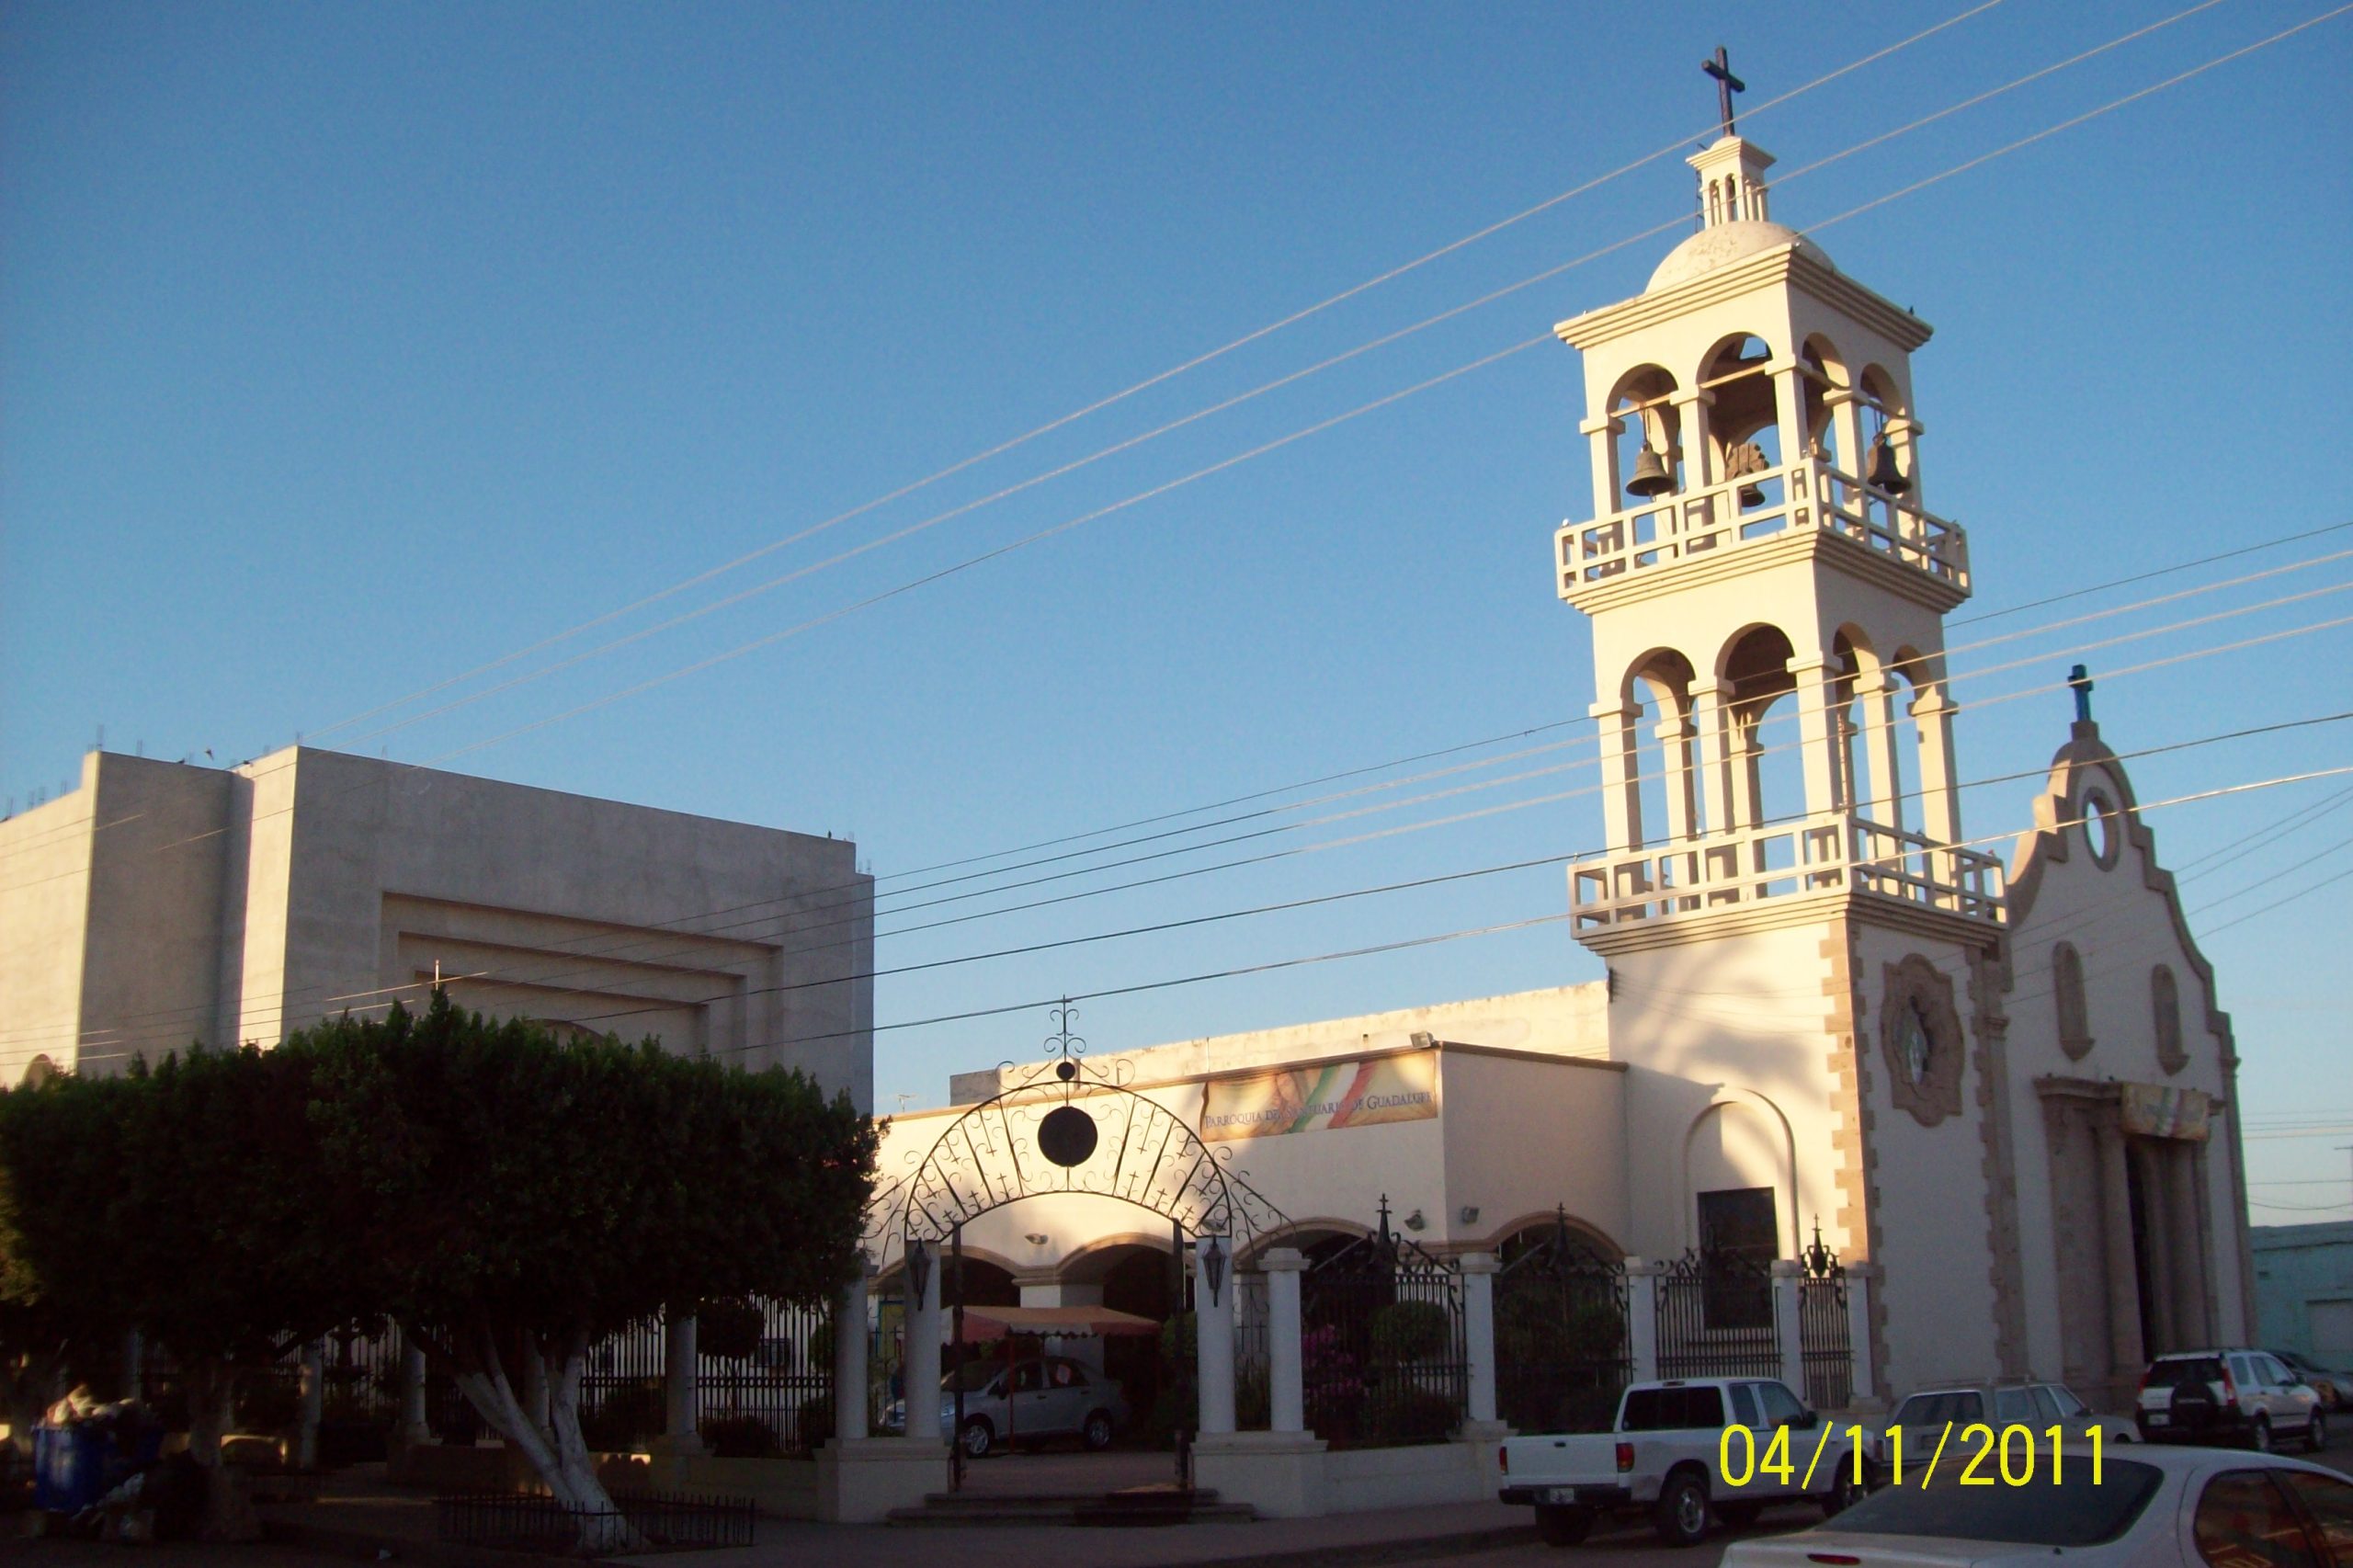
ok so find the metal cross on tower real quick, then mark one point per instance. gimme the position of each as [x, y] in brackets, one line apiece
[1720, 67]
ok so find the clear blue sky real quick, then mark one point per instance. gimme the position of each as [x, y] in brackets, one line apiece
[344, 349]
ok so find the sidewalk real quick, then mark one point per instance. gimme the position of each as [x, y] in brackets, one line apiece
[358, 1514]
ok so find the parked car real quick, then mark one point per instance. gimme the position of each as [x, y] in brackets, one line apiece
[2158, 1508]
[1051, 1396]
[2334, 1387]
[1924, 1417]
[2228, 1396]
[1665, 1455]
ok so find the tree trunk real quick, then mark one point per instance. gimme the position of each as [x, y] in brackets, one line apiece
[555, 1450]
[211, 1405]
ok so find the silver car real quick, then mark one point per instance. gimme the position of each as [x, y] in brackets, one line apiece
[1049, 1397]
[2037, 1406]
[2228, 1396]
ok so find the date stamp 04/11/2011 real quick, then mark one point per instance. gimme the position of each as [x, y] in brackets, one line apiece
[2011, 1456]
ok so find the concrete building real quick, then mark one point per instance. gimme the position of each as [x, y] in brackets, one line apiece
[2007, 1087]
[2304, 1290]
[159, 904]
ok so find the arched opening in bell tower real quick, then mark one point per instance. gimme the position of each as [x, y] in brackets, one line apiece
[1643, 413]
[1664, 804]
[1767, 775]
[1745, 421]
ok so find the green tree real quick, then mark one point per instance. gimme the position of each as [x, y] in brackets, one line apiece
[178, 1202]
[517, 1197]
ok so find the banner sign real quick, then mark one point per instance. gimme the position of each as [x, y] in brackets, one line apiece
[2154, 1111]
[1331, 1095]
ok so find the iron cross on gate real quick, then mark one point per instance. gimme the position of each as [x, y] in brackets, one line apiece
[1720, 67]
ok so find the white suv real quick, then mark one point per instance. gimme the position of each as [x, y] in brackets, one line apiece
[2218, 1396]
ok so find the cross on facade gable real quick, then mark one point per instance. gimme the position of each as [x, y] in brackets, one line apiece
[1720, 67]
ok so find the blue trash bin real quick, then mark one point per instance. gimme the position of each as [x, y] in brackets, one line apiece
[75, 1466]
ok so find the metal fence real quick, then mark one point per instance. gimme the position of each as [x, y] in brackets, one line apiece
[1824, 1329]
[1252, 1354]
[526, 1521]
[1382, 1350]
[1564, 1351]
[771, 1392]
[1716, 1318]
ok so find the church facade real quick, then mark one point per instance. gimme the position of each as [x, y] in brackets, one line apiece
[2002, 1082]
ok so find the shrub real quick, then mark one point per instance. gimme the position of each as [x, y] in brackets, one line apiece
[1408, 1331]
[740, 1438]
[730, 1330]
[1399, 1413]
[629, 1412]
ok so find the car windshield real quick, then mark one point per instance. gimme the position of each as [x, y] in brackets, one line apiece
[1961, 1405]
[2185, 1370]
[2074, 1512]
[972, 1376]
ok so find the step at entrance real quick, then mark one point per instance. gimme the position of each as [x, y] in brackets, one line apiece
[1140, 1505]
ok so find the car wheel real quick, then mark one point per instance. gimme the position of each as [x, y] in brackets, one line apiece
[1096, 1432]
[1560, 1523]
[1681, 1514]
[1740, 1515]
[1844, 1493]
[2316, 1432]
[978, 1438]
[2258, 1437]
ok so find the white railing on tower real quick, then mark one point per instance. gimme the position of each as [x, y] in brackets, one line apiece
[1808, 493]
[1830, 851]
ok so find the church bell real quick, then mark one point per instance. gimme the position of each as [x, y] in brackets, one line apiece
[1650, 474]
[1884, 473]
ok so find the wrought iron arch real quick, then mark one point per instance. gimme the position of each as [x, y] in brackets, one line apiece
[1068, 1127]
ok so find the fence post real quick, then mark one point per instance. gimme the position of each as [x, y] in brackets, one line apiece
[679, 1374]
[850, 1357]
[1641, 1320]
[1862, 1281]
[414, 1427]
[1479, 1271]
[1286, 1384]
[1213, 1334]
[314, 1392]
[1788, 1323]
[919, 1360]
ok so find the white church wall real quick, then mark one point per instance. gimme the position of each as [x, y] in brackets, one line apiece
[44, 903]
[1929, 1190]
[1523, 1136]
[1727, 1045]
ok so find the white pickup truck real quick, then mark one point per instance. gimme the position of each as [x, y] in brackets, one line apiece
[1668, 1455]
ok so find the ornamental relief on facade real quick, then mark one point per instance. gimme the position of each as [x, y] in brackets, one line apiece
[1921, 1037]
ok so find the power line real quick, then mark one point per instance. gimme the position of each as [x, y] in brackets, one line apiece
[1194, 363]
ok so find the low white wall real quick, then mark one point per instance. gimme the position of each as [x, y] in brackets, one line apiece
[1294, 1476]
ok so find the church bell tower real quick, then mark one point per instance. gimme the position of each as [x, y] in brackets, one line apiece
[1797, 939]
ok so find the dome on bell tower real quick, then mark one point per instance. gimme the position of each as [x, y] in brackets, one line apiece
[1720, 244]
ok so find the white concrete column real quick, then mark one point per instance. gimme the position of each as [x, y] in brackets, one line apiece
[679, 1378]
[1845, 435]
[1862, 1283]
[313, 1392]
[1607, 497]
[1709, 719]
[1813, 676]
[1479, 1331]
[414, 1427]
[849, 1356]
[1641, 1318]
[919, 1360]
[1673, 735]
[1213, 1335]
[1787, 1325]
[1875, 695]
[1620, 734]
[1789, 408]
[1903, 438]
[1701, 468]
[1287, 1397]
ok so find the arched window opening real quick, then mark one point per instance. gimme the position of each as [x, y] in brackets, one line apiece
[1769, 773]
[1644, 418]
[1662, 750]
[2099, 828]
[1744, 430]
[2067, 995]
